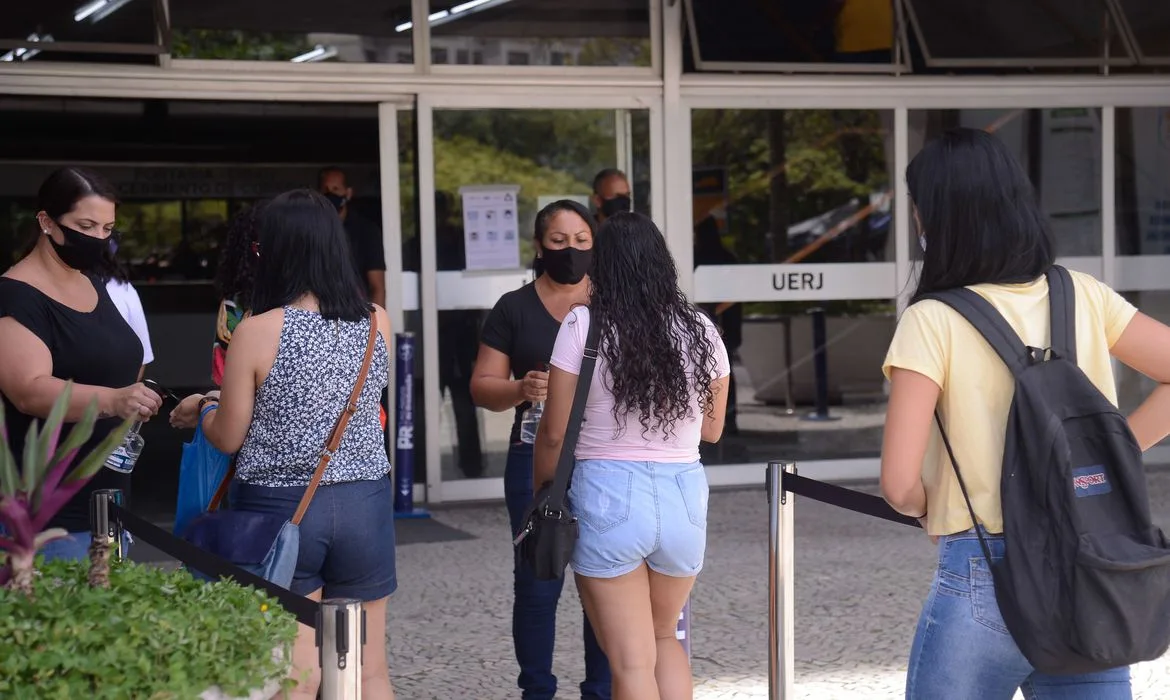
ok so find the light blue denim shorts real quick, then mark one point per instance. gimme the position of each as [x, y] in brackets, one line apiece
[633, 512]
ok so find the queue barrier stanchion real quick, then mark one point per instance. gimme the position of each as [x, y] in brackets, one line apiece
[782, 484]
[403, 466]
[821, 367]
[781, 627]
[341, 634]
[106, 531]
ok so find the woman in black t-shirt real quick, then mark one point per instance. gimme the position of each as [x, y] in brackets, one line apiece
[510, 373]
[57, 323]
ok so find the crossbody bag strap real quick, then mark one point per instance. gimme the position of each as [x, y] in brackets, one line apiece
[330, 445]
[567, 459]
[334, 441]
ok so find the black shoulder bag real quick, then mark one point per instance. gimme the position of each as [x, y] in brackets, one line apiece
[548, 536]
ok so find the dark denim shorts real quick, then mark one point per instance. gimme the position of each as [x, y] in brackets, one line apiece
[347, 536]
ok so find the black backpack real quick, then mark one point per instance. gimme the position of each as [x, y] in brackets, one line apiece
[1084, 584]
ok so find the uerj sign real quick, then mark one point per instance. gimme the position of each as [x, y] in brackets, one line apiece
[803, 282]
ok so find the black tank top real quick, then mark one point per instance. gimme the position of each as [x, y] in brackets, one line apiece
[97, 348]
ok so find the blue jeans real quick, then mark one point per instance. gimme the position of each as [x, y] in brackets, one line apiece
[962, 650]
[534, 609]
[75, 546]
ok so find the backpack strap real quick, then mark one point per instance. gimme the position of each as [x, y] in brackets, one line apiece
[1062, 300]
[991, 325]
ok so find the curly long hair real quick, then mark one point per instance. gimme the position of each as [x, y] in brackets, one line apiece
[657, 347]
[236, 274]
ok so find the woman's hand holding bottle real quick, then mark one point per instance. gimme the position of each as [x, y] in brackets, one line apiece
[534, 386]
[135, 402]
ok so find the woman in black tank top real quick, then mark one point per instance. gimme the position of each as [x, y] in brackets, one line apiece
[57, 323]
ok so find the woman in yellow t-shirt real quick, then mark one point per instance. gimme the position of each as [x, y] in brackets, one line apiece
[980, 227]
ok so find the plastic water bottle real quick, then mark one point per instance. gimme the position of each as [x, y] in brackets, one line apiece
[123, 459]
[530, 421]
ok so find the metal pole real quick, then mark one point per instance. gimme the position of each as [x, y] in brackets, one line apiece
[102, 528]
[821, 366]
[781, 630]
[789, 397]
[341, 634]
[683, 631]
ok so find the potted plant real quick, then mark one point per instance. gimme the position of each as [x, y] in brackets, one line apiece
[102, 630]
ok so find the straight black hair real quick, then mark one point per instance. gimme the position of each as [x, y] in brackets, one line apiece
[62, 190]
[544, 216]
[304, 250]
[978, 214]
[65, 187]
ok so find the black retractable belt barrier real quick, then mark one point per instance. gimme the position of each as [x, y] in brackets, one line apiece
[304, 609]
[841, 497]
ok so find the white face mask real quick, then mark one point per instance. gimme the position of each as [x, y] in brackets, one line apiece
[922, 241]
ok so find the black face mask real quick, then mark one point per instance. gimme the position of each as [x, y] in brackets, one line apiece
[336, 200]
[79, 251]
[616, 205]
[567, 265]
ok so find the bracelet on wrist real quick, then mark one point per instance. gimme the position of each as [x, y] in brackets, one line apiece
[203, 402]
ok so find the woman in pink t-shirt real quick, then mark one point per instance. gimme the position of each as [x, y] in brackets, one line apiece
[638, 489]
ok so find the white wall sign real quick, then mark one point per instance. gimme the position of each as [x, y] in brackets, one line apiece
[491, 233]
[804, 282]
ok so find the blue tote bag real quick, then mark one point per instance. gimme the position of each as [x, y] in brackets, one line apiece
[262, 543]
[201, 469]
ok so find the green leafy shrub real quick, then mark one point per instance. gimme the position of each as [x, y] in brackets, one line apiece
[152, 635]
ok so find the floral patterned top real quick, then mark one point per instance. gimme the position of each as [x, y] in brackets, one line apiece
[299, 402]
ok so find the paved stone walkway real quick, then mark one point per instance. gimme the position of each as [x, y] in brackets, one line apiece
[859, 586]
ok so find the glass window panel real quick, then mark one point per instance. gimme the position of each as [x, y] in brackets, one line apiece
[597, 33]
[122, 22]
[748, 31]
[508, 147]
[1015, 29]
[1059, 148]
[821, 176]
[1143, 181]
[773, 399]
[348, 31]
[1150, 22]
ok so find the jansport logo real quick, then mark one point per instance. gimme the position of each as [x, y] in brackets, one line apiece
[1091, 481]
[1084, 482]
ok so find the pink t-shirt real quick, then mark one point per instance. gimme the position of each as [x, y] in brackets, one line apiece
[597, 439]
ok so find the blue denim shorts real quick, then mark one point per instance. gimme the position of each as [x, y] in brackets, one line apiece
[634, 512]
[347, 535]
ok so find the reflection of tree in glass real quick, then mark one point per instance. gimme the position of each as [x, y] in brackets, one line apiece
[822, 159]
[237, 45]
[616, 52]
[461, 160]
[784, 167]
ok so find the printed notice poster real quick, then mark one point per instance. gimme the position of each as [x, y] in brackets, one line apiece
[491, 232]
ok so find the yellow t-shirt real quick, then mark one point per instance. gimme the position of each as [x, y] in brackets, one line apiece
[977, 388]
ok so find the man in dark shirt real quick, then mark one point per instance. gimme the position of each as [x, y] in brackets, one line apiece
[611, 194]
[365, 237]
